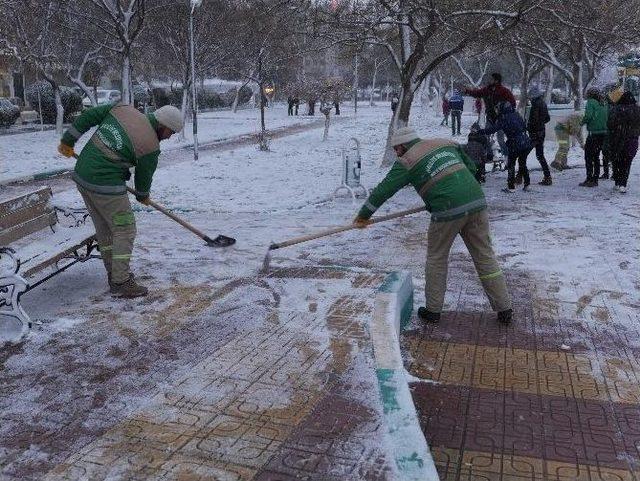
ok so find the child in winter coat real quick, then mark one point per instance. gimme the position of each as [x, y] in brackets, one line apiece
[518, 142]
[478, 148]
[445, 111]
[595, 118]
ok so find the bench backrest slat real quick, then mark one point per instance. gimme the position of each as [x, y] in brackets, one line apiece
[23, 215]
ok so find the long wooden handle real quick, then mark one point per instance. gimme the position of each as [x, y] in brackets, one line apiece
[171, 215]
[335, 230]
[174, 217]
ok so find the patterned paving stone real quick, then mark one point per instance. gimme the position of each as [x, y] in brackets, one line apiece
[510, 403]
[285, 395]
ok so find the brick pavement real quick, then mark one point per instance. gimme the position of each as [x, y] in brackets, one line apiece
[554, 396]
[290, 395]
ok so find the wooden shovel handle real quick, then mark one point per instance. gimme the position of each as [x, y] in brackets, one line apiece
[172, 216]
[336, 230]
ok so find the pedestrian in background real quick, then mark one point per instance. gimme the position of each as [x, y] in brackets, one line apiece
[624, 129]
[567, 129]
[595, 118]
[456, 106]
[538, 118]
[445, 111]
[518, 143]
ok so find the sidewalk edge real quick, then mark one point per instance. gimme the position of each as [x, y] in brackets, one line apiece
[392, 311]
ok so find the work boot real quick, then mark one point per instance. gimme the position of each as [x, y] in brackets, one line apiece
[518, 178]
[128, 289]
[585, 183]
[505, 317]
[428, 316]
[605, 175]
[545, 181]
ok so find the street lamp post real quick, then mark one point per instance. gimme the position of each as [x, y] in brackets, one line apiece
[194, 105]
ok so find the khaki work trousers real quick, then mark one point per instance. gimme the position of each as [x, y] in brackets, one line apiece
[474, 230]
[115, 227]
[564, 142]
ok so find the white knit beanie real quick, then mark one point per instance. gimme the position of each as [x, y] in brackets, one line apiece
[403, 135]
[170, 117]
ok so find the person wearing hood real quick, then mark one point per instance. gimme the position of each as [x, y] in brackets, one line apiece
[624, 130]
[124, 139]
[518, 143]
[595, 118]
[538, 118]
[442, 175]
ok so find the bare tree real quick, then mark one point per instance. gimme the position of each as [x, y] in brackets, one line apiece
[35, 40]
[419, 35]
[115, 26]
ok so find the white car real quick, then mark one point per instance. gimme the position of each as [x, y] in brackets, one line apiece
[104, 97]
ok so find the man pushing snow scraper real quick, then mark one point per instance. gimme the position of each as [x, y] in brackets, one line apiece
[443, 176]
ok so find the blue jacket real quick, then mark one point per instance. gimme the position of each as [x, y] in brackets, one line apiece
[514, 127]
[456, 102]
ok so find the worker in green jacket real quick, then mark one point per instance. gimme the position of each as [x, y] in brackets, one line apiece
[566, 130]
[125, 138]
[595, 118]
[443, 176]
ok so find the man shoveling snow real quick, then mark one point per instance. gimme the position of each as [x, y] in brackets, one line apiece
[125, 138]
[442, 174]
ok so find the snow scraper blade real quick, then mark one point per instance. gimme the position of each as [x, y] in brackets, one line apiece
[220, 241]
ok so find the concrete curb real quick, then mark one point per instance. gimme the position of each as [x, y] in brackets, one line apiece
[392, 311]
[38, 176]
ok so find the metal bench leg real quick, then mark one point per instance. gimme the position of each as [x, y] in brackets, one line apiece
[12, 285]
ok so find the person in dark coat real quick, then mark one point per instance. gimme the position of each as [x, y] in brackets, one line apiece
[296, 104]
[538, 118]
[456, 106]
[624, 129]
[445, 111]
[493, 94]
[290, 104]
[518, 142]
[395, 100]
[478, 148]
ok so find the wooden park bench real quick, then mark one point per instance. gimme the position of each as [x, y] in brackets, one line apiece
[34, 247]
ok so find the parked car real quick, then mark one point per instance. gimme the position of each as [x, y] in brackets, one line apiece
[9, 112]
[104, 97]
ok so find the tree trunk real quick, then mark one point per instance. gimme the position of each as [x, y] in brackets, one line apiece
[88, 91]
[236, 97]
[549, 91]
[577, 85]
[59, 109]
[355, 86]
[399, 119]
[326, 110]
[373, 85]
[126, 78]
[184, 110]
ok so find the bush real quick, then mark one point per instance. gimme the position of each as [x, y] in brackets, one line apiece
[9, 113]
[141, 95]
[210, 100]
[71, 101]
[245, 95]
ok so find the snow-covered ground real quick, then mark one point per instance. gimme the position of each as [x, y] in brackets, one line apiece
[576, 244]
[260, 197]
[36, 152]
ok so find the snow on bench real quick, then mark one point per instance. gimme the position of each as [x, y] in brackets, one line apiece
[34, 247]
